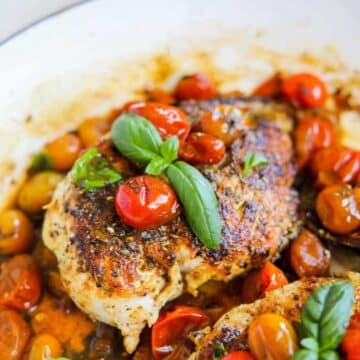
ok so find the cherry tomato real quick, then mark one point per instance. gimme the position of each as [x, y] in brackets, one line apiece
[338, 207]
[270, 88]
[272, 337]
[311, 134]
[238, 355]
[174, 325]
[200, 148]
[334, 165]
[37, 191]
[14, 335]
[221, 123]
[258, 282]
[146, 202]
[63, 151]
[93, 129]
[308, 256]
[45, 346]
[196, 86]
[305, 89]
[350, 345]
[168, 120]
[20, 283]
[16, 232]
[161, 96]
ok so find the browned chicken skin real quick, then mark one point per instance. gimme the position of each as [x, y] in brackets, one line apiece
[127, 275]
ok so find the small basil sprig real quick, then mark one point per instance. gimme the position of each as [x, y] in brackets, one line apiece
[136, 138]
[324, 318]
[252, 160]
[93, 171]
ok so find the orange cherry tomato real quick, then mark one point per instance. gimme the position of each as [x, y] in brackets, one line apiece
[311, 134]
[20, 282]
[45, 346]
[221, 123]
[201, 148]
[338, 207]
[146, 202]
[14, 335]
[305, 89]
[172, 326]
[63, 151]
[272, 337]
[335, 165]
[16, 232]
[93, 129]
[308, 256]
[258, 282]
[238, 355]
[270, 88]
[161, 96]
[168, 120]
[196, 86]
[350, 345]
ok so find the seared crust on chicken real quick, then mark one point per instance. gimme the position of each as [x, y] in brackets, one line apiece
[123, 276]
[232, 328]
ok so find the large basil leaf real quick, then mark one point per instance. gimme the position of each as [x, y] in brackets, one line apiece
[93, 171]
[136, 138]
[199, 202]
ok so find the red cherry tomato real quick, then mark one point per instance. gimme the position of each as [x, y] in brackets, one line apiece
[238, 355]
[172, 326]
[169, 120]
[196, 86]
[305, 89]
[200, 148]
[258, 282]
[350, 345]
[338, 208]
[335, 165]
[20, 283]
[146, 202]
[270, 88]
[311, 134]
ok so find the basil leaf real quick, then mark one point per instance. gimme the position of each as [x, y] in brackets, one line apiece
[136, 138]
[305, 355]
[199, 202]
[40, 162]
[252, 160]
[169, 149]
[156, 166]
[329, 355]
[326, 314]
[92, 171]
[220, 351]
[310, 344]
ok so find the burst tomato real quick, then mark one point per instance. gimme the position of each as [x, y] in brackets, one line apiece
[168, 120]
[174, 325]
[200, 148]
[146, 202]
[196, 86]
[307, 90]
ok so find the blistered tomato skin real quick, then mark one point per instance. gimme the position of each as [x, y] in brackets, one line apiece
[16, 232]
[201, 148]
[168, 120]
[338, 207]
[146, 202]
[172, 326]
[20, 283]
[196, 86]
[14, 335]
[311, 134]
[305, 89]
[308, 256]
[272, 337]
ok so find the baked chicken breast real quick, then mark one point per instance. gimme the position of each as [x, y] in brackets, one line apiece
[123, 276]
[232, 328]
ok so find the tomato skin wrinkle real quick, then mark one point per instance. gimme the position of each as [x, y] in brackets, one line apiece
[146, 202]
